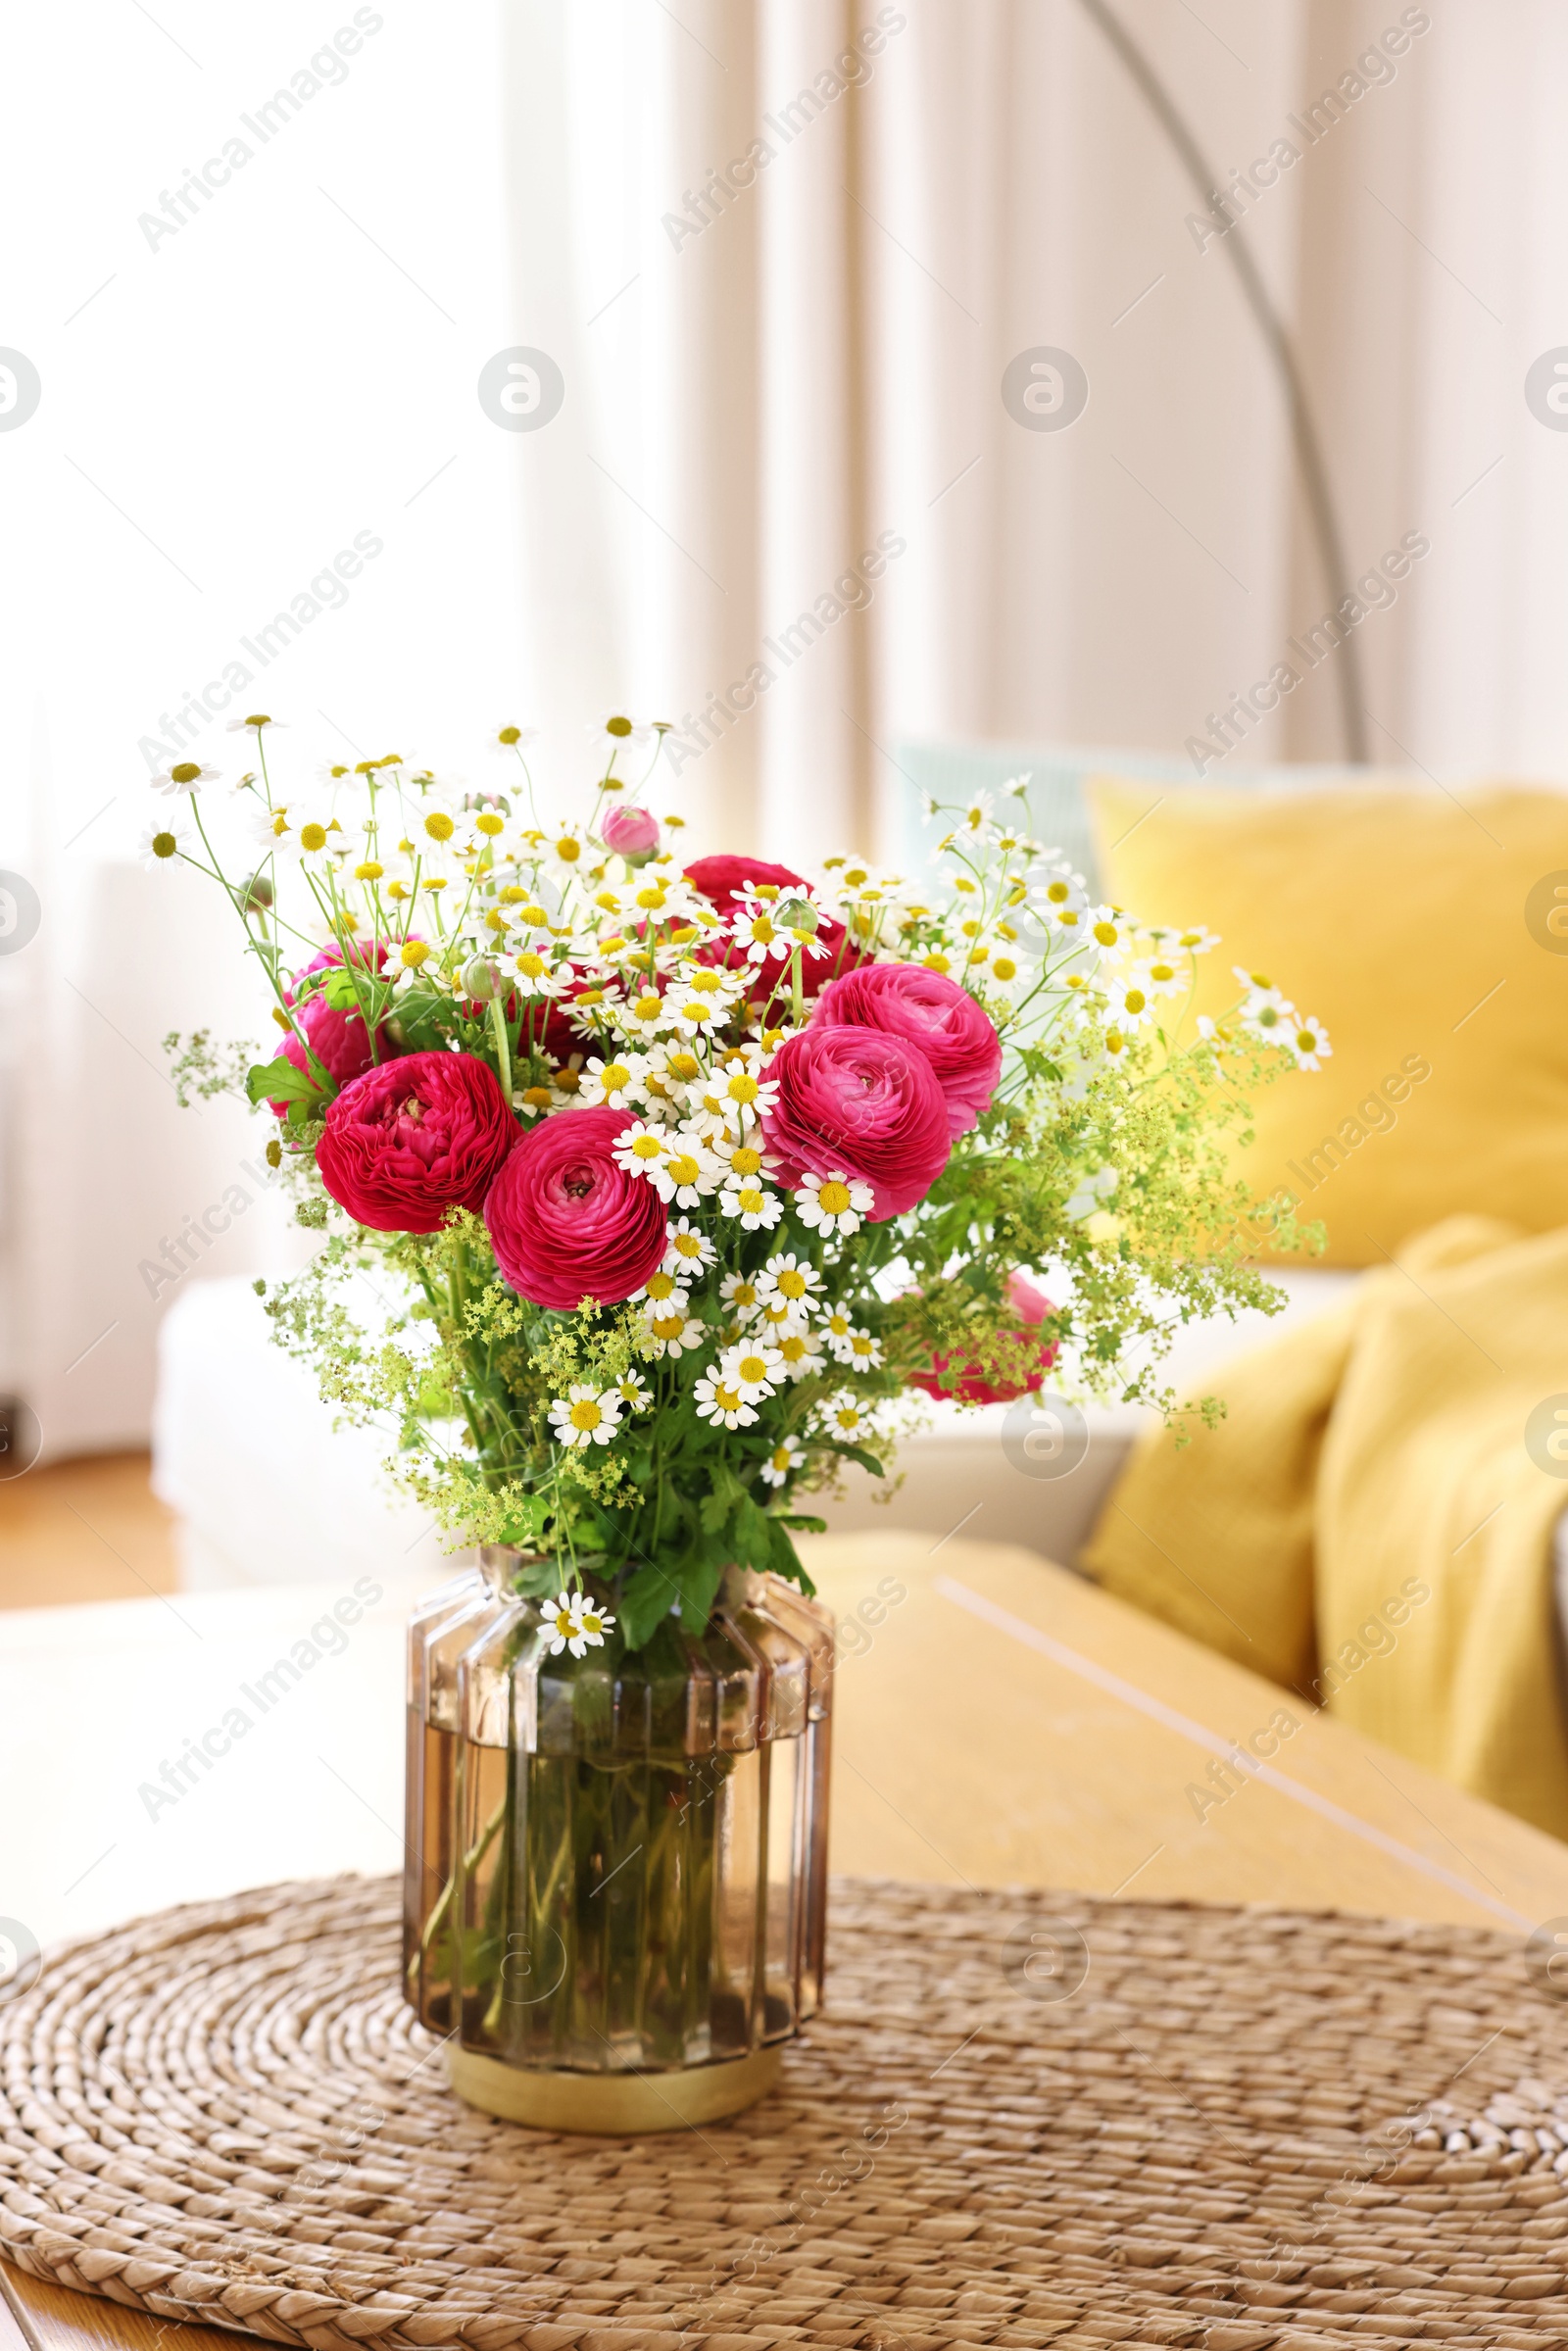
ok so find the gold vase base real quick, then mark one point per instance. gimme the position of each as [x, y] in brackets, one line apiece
[613, 2105]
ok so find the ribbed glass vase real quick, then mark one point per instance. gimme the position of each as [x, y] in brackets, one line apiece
[617, 1862]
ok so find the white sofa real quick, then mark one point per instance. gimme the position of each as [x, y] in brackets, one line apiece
[267, 1492]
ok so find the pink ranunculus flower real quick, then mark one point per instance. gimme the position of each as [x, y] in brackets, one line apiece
[338, 1040]
[932, 1011]
[632, 832]
[1031, 1304]
[566, 1220]
[414, 1138]
[858, 1102]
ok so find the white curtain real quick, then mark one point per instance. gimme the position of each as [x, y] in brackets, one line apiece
[782, 253]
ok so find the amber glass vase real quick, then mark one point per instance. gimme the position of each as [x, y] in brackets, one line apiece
[616, 1863]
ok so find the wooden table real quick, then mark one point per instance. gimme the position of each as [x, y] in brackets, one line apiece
[998, 1722]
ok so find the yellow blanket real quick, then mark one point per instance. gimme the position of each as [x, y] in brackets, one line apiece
[1372, 1522]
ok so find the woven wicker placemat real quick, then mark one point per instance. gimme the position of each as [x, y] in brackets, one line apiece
[1242, 2128]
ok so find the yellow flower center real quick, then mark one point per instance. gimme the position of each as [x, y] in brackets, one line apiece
[780, 1457]
[745, 1162]
[1057, 893]
[744, 1294]
[369, 872]
[164, 845]
[936, 960]
[567, 850]
[667, 1326]
[439, 825]
[186, 773]
[1305, 1042]
[537, 1098]
[568, 1081]
[743, 1088]
[1160, 971]
[648, 1007]
[752, 1199]
[1105, 933]
[1005, 968]
[563, 1623]
[646, 1146]
[620, 727]
[685, 1066]
[683, 1168]
[704, 983]
[728, 1399]
[1134, 999]
[585, 1413]
[509, 735]
[751, 1368]
[687, 1244]
[833, 1197]
[414, 952]
[610, 1080]
[662, 1285]
[793, 1349]
[313, 836]
[792, 1283]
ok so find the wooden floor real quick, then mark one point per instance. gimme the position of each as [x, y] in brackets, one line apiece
[88, 1530]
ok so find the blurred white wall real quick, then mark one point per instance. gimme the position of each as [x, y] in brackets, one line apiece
[761, 379]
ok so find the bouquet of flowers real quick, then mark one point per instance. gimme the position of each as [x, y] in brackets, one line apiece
[681, 1182]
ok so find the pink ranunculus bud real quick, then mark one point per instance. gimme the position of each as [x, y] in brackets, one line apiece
[419, 1136]
[567, 1221]
[631, 832]
[928, 1009]
[856, 1101]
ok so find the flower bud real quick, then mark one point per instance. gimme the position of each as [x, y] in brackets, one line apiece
[255, 893]
[480, 980]
[798, 914]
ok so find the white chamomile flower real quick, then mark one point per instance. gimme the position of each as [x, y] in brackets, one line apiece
[756, 1208]
[562, 1627]
[782, 1462]
[643, 1014]
[437, 829]
[1160, 974]
[315, 840]
[754, 1367]
[834, 1203]
[755, 932]
[239, 726]
[593, 1622]
[844, 1419]
[620, 728]
[639, 1147]
[860, 1348]
[270, 827]
[976, 817]
[567, 850]
[721, 1401]
[634, 1392]
[1196, 940]
[1107, 931]
[684, 1173]
[585, 1416]
[836, 1324]
[665, 1290]
[184, 775]
[741, 1093]
[539, 974]
[513, 738]
[164, 840]
[1309, 1043]
[793, 1280]
[1265, 1011]
[687, 1249]
[739, 1294]
[799, 1351]
[1005, 973]
[611, 1082]
[670, 1330]
[1128, 1004]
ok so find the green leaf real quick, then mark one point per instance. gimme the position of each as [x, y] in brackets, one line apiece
[715, 1507]
[280, 1082]
[526, 1523]
[645, 1603]
[858, 1453]
[699, 1580]
[802, 1519]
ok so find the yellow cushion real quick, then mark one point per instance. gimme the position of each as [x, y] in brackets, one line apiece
[1421, 933]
